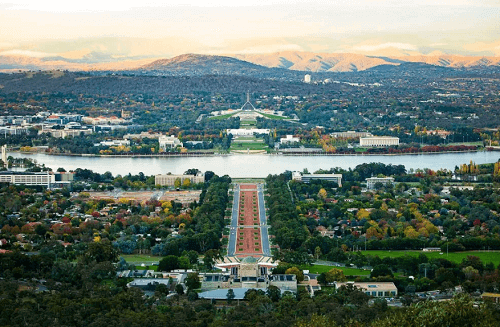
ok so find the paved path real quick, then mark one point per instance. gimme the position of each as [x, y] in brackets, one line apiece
[231, 249]
[233, 228]
[266, 249]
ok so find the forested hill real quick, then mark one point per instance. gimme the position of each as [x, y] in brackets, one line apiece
[69, 82]
[200, 65]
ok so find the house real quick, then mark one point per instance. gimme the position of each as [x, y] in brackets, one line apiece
[169, 142]
[375, 289]
[372, 181]
[289, 139]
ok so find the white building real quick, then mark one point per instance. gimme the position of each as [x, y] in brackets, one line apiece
[380, 141]
[169, 142]
[113, 143]
[370, 182]
[376, 289]
[289, 139]
[43, 178]
[4, 155]
[62, 133]
[247, 132]
[306, 178]
[351, 134]
[169, 180]
[307, 78]
[101, 120]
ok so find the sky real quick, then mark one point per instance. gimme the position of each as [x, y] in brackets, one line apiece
[97, 30]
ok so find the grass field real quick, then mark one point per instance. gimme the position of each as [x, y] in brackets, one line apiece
[491, 256]
[221, 117]
[155, 268]
[478, 143]
[318, 269]
[140, 258]
[274, 116]
[248, 123]
[250, 145]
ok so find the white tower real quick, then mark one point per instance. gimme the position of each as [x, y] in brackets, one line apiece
[307, 79]
[4, 155]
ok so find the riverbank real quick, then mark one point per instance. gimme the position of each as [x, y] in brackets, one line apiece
[251, 165]
[245, 152]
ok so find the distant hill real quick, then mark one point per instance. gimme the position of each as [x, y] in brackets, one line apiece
[198, 65]
[287, 65]
[348, 62]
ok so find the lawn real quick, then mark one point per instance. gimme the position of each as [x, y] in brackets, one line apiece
[251, 145]
[222, 117]
[478, 143]
[318, 269]
[140, 258]
[274, 116]
[155, 268]
[248, 123]
[491, 256]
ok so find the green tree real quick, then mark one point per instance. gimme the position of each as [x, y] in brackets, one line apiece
[381, 270]
[177, 183]
[297, 272]
[170, 262]
[101, 252]
[230, 296]
[179, 289]
[192, 281]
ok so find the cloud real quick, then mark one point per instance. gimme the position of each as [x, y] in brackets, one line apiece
[27, 53]
[492, 47]
[4, 45]
[271, 48]
[371, 48]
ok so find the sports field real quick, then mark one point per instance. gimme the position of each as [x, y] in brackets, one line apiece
[318, 269]
[485, 256]
[140, 258]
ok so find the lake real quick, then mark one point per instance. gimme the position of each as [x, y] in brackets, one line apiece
[252, 165]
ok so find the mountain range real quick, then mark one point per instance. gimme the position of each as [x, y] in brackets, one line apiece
[197, 64]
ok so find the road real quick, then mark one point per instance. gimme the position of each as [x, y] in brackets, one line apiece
[266, 249]
[231, 249]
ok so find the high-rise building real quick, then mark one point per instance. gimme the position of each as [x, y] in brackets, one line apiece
[307, 78]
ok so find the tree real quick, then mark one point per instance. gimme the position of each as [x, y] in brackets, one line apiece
[191, 171]
[317, 252]
[322, 194]
[170, 262]
[297, 272]
[381, 270]
[161, 290]
[273, 293]
[335, 275]
[177, 183]
[101, 252]
[230, 296]
[459, 311]
[192, 296]
[192, 281]
[179, 289]
[186, 183]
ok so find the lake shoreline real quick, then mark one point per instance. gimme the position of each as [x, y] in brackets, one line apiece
[294, 154]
